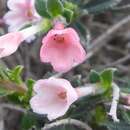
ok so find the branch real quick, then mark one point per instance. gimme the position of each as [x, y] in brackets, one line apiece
[68, 121]
[100, 41]
[13, 107]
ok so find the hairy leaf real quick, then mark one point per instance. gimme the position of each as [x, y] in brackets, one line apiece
[55, 7]
[41, 7]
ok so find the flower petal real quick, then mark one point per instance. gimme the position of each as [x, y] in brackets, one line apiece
[14, 20]
[15, 4]
[61, 56]
[47, 101]
[71, 93]
[64, 54]
[9, 43]
[48, 105]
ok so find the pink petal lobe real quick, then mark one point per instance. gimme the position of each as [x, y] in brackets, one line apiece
[48, 98]
[65, 54]
[48, 105]
[9, 43]
[15, 4]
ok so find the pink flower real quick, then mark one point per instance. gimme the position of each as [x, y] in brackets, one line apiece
[10, 42]
[22, 12]
[61, 47]
[53, 97]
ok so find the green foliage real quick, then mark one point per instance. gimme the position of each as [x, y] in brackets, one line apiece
[28, 121]
[54, 7]
[82, 108]
[68, 14]
[124, 123]
[12, 86]
[70, 5]
[106, 77]
[125, 116]
[29, 93]
[94, 76]
[71, 11]
[15, 74]
[41, 7]
[117, 126]
[99, 6]
[11, 81]
[99, 115]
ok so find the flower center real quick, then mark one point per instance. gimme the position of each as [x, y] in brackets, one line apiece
[29, 13]
[59, 38]
[62, 95]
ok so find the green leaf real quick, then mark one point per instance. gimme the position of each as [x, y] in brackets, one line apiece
[3, 74]
[68, 14]
[41, 7]
[15, 98]
[28, 121]
[70, 5]
[94, 76]
[99, 6]
[30, 84]
[117, 126]
[15, 74]
[45, 25]
[99, 115]
[55, 7]
[106, 77]
[125, 115]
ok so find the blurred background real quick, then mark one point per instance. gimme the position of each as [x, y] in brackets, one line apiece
[108, 45]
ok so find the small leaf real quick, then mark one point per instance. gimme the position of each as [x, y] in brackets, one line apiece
[106, 77]
[117, 126]
[55, 7]
[15, 74]
[99, 115]
[41, 7]
[30, 84]
[125, 115]
[70, 5]
[94, 76]
[68, 14]
[3, 74]
[28, 121]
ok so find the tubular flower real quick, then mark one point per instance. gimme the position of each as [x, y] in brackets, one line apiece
[21, 12]
[61, 47]
[53, 97]
[10, 42]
